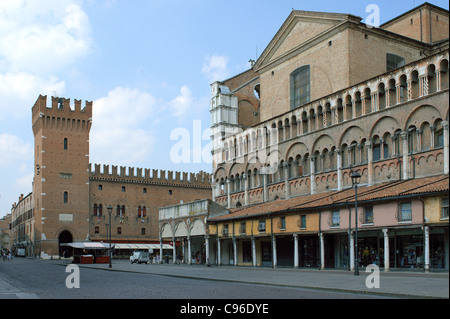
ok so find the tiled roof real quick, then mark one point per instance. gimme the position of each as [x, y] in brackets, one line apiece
[385, 191]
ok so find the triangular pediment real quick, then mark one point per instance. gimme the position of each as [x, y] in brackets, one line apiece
[300, 28]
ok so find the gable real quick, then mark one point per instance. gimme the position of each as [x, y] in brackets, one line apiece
[299, 29]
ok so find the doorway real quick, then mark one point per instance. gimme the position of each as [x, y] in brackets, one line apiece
[64, 238]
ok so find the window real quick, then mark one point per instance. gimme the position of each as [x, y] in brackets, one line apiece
[144, 190]
[300, 86]
[444, 208]
[142, 211]
[120, 210]
[66, 197]
[283, 223]
[170, 192]
[262, 226]
[123, 189]
[142, 231]
[100, 187]
[394, 61]
[65, 143]
[97, 229]
[404, 212]
[303, 221]
[119, 230]
[368, 215]
[242, 228]
[98, 210]
[225, 230]
[335, 218]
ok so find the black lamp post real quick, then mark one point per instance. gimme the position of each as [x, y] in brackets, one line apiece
[355, 180]
[110, 251]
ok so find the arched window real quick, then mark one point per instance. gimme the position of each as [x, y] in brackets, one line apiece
[142, 211]
[120, 210]
[65, 143]
[66, 197]
[98, 210]
[300, 86]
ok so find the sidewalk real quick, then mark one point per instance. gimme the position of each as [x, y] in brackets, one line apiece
[402, 284]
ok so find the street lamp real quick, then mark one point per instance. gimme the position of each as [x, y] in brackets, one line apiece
[355, 180]
[110, 251]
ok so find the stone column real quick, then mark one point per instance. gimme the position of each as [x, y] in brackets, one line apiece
[386, 249]
[235, 251]
[189, 253]
[253, 252]
[207, 249]
[351, 254]
[446, 148]
[312, 177]
[295, 250]
[265, 189]
[404, 136]
[322, 252]
[426, 237]
[369, 163]
[286, 178]
[274, 248]
[160, 250]
[246, 187]
[174, 252]
[339, 168]
[228, 193]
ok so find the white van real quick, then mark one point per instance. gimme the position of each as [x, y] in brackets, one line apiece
[139, 257]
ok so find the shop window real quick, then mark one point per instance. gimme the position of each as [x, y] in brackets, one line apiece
[404, 212]
[368, 215]
[445, 208]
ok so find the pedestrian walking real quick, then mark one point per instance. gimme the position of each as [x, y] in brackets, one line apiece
[9, 256]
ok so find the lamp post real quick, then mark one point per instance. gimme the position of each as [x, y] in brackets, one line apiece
[110, 251]
[355, 180]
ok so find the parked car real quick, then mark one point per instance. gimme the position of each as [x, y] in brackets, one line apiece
[139, 257]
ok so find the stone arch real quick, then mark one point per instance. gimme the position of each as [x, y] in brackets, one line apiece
[180, 229]
[383, 125]
[166, 231]
[420, 114]
[295, 149]
[353, 133]
[197, 227]
[324, 141]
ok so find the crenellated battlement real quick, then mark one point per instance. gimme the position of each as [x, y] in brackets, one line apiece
[61, 107]
[60, 114]
[148, 176]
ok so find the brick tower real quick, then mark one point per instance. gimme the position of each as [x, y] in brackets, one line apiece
[61, 177]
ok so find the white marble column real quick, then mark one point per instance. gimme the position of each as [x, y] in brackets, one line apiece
[322, 251]
[207, 249]
[386, 249]
[295, 250]
[253, 252]
[274, 248]
[426, 252]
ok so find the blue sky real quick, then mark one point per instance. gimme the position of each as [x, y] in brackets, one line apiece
[146, 65]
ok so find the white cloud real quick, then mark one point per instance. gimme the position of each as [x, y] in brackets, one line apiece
[121, 133]
[183, 102]
[13, 148]
[215, 67]
[18, 91]
[42, 36]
